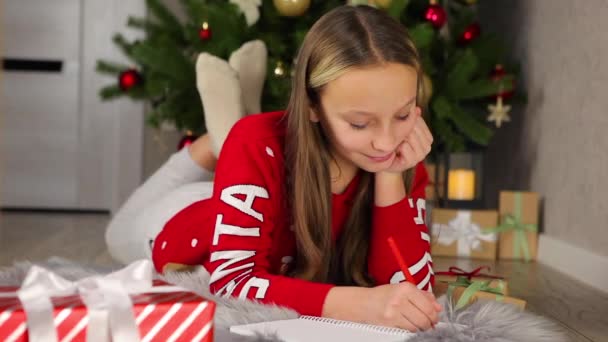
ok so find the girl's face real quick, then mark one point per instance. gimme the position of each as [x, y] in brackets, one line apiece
[368, 113]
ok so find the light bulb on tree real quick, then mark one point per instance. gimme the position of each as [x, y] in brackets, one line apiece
[204, 33]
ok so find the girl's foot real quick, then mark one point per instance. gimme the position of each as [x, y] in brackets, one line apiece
[249, 62]
[220, 92]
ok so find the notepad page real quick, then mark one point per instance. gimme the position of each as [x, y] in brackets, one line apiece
[303, 330]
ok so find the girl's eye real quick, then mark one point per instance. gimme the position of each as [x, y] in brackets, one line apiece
[403, 117]
[358, 127]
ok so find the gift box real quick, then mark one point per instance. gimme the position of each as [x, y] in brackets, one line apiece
[464, 292]
[124, 306]
[464, 233]
[452, 274]
[518, 228]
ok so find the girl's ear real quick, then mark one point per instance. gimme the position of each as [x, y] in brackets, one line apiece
[314, 117]
[417, 111]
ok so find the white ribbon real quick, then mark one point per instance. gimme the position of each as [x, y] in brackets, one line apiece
[109, 307]
[467, 234]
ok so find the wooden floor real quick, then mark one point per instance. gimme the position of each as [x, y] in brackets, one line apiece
[581, 310]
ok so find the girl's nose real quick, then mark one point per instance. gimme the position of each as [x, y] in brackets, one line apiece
[384, 142]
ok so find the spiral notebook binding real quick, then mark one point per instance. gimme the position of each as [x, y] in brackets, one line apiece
[366, 327]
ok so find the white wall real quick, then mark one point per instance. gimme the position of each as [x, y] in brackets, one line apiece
[557, 144]
[160, 144]
[118, 161]
[62, 146]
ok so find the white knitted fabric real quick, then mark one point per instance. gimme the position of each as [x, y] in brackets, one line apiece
[175, 185]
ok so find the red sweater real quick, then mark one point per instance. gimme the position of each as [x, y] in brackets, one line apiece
[242, 235]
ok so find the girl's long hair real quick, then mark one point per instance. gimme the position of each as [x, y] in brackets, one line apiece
[344, 38]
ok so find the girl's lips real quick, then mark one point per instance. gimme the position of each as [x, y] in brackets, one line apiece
[381, 159]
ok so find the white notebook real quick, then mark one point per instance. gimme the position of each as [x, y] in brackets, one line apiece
[309, 328]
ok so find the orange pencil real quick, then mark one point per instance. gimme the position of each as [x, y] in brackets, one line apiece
[402, 264]
[400, 261]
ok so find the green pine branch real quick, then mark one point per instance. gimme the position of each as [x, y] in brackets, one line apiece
[471, 128]
[124, 45]
[397, 7]
[110, 92]
[110, 68]
[422, 35]
[166, 60]
[483, 88]
[165, 56]
[166, 19]
[465, 66]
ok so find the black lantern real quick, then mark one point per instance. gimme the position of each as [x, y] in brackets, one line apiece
[462, 175]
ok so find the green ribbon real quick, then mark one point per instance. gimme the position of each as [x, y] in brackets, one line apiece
[473, 287]
[512, 222]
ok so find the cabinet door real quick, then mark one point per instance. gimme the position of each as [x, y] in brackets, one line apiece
[39, 137]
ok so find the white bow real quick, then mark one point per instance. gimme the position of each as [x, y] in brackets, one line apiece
[467, 234]
[109, 307]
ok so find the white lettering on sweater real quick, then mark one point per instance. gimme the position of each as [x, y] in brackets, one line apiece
[222, 228]
[227, 290]
[231, 257]
[260, 283]
[251, 192]
[426, 260]
[420, 207]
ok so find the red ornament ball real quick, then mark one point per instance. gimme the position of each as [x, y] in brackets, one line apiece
[436, 15]
[497, 74]
[186, 140]
[204, 33]
[128, 79]
[470, 33]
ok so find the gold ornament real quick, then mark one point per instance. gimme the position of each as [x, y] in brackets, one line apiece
[427, 90]
[499, 112]
[279, 69]
[382, 3]
[291, 8]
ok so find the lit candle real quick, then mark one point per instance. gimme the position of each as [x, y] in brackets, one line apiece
[461, 184]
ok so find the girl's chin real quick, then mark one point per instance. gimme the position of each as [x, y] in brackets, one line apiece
[373, 167]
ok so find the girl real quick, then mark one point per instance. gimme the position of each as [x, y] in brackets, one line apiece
[303, 201]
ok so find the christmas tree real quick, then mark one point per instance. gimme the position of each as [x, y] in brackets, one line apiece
[464, 69]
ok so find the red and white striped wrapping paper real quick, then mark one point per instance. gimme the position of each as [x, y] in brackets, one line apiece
[170, 316]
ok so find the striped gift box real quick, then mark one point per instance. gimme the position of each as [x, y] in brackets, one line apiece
[168, 316]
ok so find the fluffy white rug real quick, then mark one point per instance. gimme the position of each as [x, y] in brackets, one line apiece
[485, 320]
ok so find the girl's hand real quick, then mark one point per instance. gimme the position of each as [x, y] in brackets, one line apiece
[402, 305]
[414, 149]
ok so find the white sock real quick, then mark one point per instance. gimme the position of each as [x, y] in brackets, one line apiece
[249, 61]
[220, 92]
